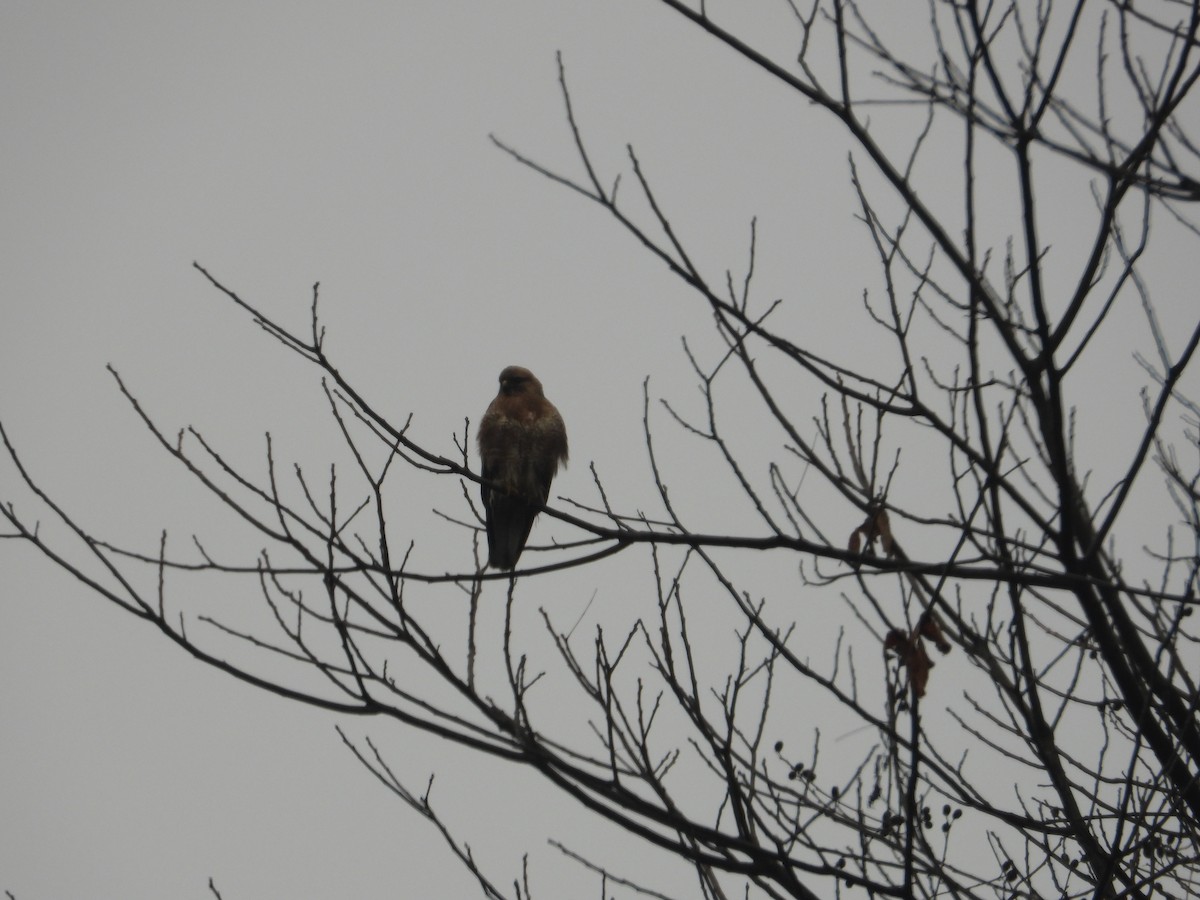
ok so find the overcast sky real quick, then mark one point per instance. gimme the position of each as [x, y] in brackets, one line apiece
[282, 144]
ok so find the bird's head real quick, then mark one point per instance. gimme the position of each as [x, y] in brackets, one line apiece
[519, 380]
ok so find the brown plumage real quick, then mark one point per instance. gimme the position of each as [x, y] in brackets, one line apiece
[522, 442]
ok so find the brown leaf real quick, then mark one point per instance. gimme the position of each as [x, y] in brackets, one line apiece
[875, 525]
[913, 657]
[895, 638]
[928, 627]
[884, 529]
[919, 664]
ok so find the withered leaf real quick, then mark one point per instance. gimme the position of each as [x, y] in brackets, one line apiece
[884, 529]
[911, 650]
[928, 627]
[876, 525]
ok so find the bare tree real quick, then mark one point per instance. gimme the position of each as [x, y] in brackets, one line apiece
[941, 493]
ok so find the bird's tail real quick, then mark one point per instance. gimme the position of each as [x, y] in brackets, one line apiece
[509, 525]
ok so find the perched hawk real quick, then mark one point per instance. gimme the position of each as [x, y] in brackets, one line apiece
[522, 442]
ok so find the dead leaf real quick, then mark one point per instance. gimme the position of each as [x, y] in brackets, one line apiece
[919, 664]
[884, 529]
[928, 627]
[911, 651]
[876, 525]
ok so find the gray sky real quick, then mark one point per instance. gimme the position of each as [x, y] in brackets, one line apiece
[281, 144]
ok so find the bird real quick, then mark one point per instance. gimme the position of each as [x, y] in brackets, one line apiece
[522, 442]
